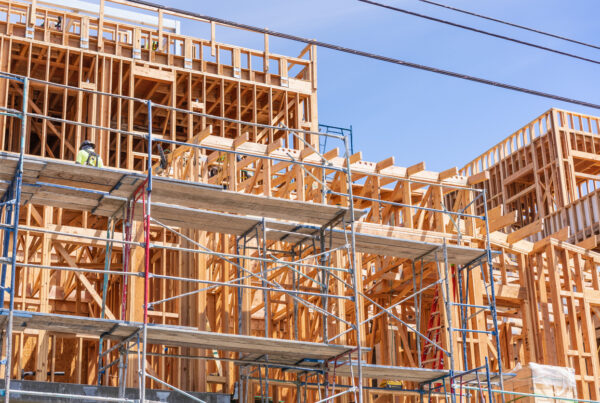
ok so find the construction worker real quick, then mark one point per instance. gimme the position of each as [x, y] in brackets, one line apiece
[162, 166]
[244, 173]
[87, 155]
[213, 171]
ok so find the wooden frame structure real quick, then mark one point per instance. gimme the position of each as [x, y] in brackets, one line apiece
[115, 194]
[542, 183]
[248, 133]
[348, 275]
[547, 172]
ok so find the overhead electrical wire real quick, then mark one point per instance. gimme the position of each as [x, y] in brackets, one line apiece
[480, 31]
[374, 56]
[512, 24]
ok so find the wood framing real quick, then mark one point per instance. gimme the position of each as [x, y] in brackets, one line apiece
[244, 197]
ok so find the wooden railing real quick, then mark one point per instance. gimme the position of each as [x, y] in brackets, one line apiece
[578, 121]
[519, 139]
[525, 135]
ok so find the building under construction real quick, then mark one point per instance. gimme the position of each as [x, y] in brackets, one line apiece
[231, 249]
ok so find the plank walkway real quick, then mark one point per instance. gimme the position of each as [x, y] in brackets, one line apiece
[205, 207]
[280, 351]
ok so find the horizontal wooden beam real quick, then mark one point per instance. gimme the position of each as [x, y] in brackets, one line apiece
[388, 162]
[585, 156]
[504, 221]
[449, 173]
[413, 169]
[478, 178]
[526, 231]
[590, 243]
[560, 235]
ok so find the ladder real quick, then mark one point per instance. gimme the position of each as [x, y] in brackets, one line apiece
[432, 357]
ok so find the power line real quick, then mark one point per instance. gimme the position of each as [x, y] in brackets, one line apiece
[374, 56]
[512, 24]
[480, 31]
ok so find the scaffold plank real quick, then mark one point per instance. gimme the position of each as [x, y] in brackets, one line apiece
[391, 373]
[92, 181]
[278, 350]
[400, 246]
[185, 205]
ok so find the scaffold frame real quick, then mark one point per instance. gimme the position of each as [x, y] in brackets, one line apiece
[344, 220]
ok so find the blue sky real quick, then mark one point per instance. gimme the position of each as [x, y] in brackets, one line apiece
[419, 116]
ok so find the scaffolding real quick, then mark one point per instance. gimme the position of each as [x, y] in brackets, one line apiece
[341, 131]
[315, 231]
[11, 202]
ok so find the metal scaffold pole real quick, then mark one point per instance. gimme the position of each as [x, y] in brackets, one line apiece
[355, 271]
[488, 250]
[448, 306]
[105, 283]
[146, 256]
[17, 197]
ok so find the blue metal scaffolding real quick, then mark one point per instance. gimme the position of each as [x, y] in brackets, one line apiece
[9, 209]
[10, 203]
[340, 131]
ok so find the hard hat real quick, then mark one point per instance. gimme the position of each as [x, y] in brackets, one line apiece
[87, 143]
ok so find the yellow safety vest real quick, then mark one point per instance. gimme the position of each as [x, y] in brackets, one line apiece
[85, 157]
